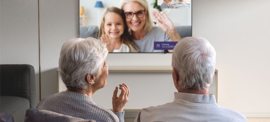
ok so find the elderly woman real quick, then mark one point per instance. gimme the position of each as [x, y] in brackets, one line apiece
[83, 69]
[140, 25]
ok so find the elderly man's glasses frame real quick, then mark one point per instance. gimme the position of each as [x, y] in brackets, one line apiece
[130, 15]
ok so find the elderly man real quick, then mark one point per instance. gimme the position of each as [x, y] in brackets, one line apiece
[166, 4]
[193, 62]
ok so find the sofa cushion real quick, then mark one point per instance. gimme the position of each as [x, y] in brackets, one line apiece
[184, 31]
[10, 104]
[89, 31]
[38, 115]
[15, 106]
[6, 117]
[18, 80]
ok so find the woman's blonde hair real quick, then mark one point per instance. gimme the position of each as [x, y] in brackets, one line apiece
[125, 36]
[144, 4]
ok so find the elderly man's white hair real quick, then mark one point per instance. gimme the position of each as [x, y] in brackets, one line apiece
[194, 58]
[80, 57]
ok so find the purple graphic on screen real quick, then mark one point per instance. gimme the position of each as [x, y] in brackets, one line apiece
[164, 45]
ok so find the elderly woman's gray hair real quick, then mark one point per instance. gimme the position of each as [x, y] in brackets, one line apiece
[80, 57]
[194, 59]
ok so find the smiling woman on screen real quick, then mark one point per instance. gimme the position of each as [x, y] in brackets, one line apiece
[140, 25]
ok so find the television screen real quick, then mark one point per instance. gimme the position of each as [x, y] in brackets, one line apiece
[131, 28]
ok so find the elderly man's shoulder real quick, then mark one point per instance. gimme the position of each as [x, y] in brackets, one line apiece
[176, 111]
[158, 109]
[237, 116]
[154, 113]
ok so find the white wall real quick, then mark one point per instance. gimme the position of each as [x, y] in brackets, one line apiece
[239, 31]
[19, 34]
[59, 22]
[56, 30]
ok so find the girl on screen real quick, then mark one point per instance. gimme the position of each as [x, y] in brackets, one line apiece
[114, 32]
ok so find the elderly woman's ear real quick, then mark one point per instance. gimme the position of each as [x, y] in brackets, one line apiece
[90, 79]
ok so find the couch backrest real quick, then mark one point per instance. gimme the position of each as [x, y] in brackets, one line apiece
[18, 80]
[6, 117]
[184, 31]
[89, 31]
[38, 115]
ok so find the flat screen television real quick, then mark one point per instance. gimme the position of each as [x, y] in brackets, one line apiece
[179, 11]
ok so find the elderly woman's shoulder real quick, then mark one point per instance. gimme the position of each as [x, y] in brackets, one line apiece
[104, 113]
[55, 96]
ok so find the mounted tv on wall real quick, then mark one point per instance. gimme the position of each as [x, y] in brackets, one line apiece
[128, 26]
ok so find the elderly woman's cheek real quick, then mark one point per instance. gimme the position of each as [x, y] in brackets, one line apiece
[104, 77]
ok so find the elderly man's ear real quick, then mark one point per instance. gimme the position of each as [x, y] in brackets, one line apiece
[176, 79]
[90, 79]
